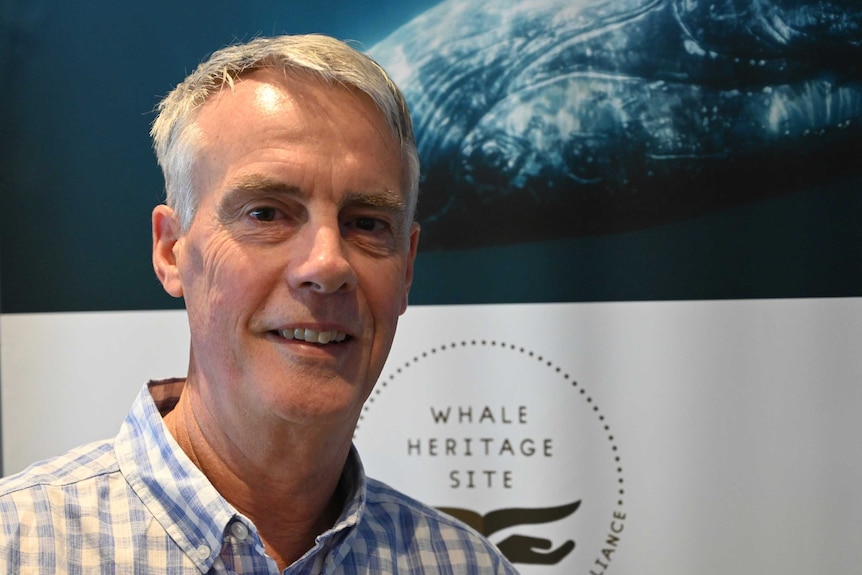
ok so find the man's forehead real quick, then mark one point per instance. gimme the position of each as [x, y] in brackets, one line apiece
[274, 92]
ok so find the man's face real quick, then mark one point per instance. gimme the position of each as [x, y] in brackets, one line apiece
[300, 255]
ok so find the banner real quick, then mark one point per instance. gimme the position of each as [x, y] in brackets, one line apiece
[635, 437]
[631, 345]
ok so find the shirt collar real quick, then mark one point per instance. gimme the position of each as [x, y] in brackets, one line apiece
[183, 500]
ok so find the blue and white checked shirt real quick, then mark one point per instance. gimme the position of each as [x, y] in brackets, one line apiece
[138, 505]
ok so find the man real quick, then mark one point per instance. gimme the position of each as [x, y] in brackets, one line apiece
[291, 175]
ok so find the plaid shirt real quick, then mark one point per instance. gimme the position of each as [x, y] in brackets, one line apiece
[137, 504]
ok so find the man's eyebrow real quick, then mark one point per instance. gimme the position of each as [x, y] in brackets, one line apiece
[260, 185]
[389, 200]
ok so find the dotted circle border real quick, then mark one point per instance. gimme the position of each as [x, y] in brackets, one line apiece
[382, 383]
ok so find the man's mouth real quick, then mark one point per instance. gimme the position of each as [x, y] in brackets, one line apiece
[312, 336]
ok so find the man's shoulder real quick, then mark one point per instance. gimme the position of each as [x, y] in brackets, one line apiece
[391, 501]
[79, 464]
[392, 516]
[384, 502]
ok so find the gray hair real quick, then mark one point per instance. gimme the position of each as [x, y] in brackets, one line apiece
[176, 138]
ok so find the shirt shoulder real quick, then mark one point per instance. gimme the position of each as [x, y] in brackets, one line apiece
[430, 536]
[77, 465]
[382, 497]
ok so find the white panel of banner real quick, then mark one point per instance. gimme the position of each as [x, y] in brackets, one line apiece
[637, 438]
[70, 378]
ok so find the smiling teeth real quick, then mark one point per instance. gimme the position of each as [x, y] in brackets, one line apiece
[313, 336]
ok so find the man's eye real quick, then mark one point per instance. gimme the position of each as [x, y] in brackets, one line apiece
[369, 224]
[264, 214]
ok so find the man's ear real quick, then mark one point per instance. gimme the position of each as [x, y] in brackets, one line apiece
[166, 234]
[411, 258]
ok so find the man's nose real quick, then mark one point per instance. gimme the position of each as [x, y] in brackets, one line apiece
[319, 262]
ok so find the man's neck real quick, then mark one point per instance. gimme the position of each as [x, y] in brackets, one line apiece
[289, 494]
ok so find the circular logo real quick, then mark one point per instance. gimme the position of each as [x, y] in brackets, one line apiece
[505, 439]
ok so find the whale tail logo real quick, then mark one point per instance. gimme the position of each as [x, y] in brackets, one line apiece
[520, 548]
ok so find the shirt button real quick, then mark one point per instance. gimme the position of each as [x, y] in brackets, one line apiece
[239, 530]
[203, 552]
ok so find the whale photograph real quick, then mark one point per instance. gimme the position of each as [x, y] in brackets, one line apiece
[551, 119]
